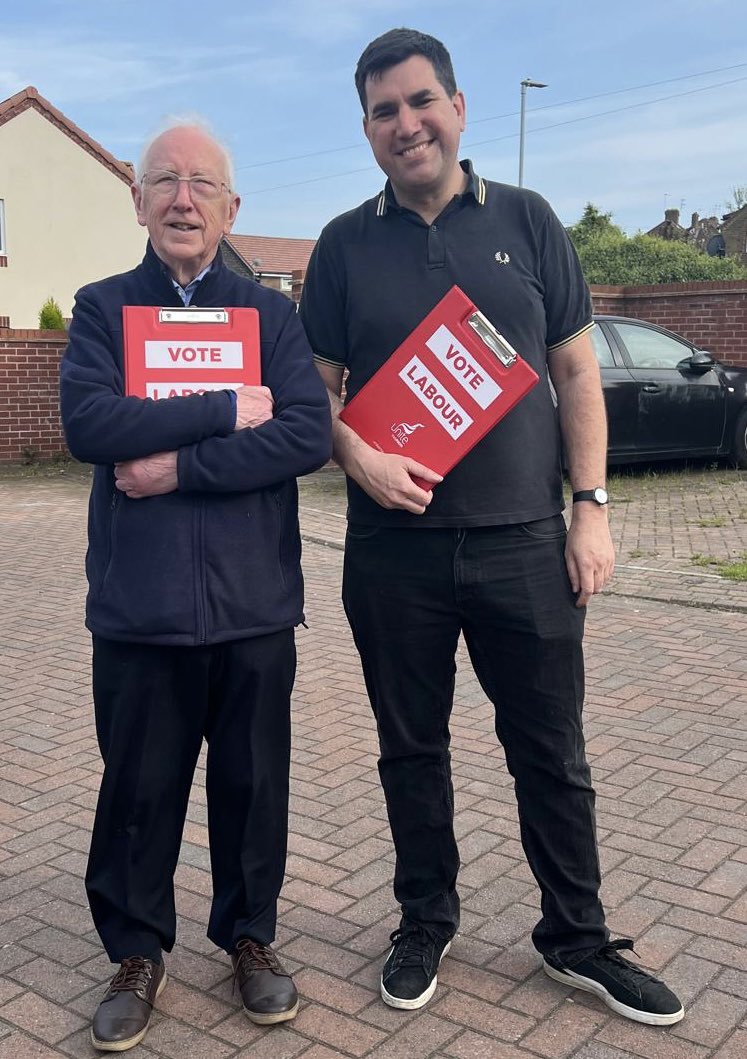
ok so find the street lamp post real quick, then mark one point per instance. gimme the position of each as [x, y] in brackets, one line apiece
[525, 84]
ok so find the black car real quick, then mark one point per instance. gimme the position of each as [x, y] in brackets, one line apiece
[665, 398]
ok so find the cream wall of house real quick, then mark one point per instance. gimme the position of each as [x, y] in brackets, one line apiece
[68, 219]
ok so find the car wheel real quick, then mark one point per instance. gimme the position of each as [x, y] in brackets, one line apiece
[739, 452]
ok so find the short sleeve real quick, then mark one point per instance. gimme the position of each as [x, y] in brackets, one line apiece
[322, 308]
[568, 306]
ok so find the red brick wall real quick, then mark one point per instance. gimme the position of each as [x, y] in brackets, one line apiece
[29, 394]
[712, 315]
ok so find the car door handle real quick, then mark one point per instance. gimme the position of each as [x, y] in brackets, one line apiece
[651, 388]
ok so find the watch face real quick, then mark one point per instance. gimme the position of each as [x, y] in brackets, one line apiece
[600, 495]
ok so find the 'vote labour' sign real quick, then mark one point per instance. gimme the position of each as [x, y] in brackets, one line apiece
[181, 352]
[451, 381]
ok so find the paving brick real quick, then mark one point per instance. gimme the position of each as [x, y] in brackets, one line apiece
[53, 980]
[596, 1050]
[336, 1030]
[733, 1048]
[320, 1051]
[422, 1036]
[564, 1030]
[19, 1046]
[649, 1042]
[177, 1040]
[471, 1045]
[37, 1015]
[658, 945]
[730, 879]
[335, 993]
[468, 1011]
[277, 1043]
[711, 1018]
[688, 975]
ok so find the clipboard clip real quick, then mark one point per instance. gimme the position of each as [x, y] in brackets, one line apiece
[493, 339]
[189, 315]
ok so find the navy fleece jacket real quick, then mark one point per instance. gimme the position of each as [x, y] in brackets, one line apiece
[219, 558]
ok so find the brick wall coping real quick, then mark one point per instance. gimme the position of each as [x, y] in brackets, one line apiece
[727, 286]
[28, 334]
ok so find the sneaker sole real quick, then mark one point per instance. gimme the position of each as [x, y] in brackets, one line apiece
[124, 1046]
[269, 1018]
[418, 1001]
[589, 985]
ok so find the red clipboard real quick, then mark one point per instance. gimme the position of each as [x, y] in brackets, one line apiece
[449, 383]
[178, 352]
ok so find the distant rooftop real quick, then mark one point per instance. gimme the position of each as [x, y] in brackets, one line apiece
[271, 255]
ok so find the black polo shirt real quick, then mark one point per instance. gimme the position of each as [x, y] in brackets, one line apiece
[374, 274]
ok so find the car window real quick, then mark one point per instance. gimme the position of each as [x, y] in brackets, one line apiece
[602, 350]
[652, 349]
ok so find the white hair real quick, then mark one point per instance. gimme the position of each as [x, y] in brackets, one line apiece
[187, 121]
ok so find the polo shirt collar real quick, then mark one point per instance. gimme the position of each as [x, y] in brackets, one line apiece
[476, 187]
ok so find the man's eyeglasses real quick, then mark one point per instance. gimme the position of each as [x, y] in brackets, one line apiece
[165, 184]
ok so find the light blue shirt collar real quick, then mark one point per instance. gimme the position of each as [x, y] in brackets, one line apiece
[185, 293]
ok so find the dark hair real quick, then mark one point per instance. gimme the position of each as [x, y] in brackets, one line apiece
[395, 47]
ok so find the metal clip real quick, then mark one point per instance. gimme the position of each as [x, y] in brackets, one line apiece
[188, 315]
[493, 339]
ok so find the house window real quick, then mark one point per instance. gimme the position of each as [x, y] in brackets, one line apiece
[3, 246]
[286, 284]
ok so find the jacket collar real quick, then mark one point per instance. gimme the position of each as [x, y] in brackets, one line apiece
[161, 277]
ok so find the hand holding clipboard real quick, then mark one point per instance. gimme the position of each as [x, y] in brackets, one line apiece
[449, 383]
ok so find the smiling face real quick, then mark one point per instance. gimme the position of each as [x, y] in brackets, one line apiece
[185, 232]
[414, 127]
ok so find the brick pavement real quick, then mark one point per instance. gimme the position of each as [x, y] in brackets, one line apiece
[665, 723]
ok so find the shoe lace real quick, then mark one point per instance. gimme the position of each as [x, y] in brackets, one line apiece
[135, 973]
[413, 944]
[251, 956]
[633, 973]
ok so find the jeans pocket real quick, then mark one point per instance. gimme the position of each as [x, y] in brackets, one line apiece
[359, 532]
[545, 529]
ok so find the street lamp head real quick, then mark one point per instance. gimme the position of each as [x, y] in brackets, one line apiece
[528, 83]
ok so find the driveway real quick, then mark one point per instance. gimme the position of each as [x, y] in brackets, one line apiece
[665, 723]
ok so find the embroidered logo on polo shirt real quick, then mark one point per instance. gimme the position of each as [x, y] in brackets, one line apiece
[502, 257]
[402, 431]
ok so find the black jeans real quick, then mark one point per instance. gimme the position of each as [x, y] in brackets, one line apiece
[408, 593]
[154, 705]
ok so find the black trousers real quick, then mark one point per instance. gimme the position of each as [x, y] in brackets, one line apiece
[154, 705]
[408, 594]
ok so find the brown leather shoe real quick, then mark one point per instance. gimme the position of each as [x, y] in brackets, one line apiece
[267, 990]
[123, 1016]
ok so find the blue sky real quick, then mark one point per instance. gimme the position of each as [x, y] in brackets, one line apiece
[646, 104]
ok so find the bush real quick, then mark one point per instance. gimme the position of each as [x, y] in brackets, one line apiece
[50, 316]
[607, 255]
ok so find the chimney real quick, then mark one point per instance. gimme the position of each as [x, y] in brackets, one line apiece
[672, 215]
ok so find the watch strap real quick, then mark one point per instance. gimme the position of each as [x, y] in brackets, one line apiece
[591, 494]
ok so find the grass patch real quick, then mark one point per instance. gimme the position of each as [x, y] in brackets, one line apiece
[639, 480]
[56, 467]
[732, 569]
[707, 523]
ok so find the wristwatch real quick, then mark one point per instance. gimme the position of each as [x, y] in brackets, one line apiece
[597, 496]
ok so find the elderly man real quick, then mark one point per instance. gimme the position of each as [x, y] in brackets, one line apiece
[484, 552]
[195, 588]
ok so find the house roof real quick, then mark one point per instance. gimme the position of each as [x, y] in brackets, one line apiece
[276, 256]
[31, 98]
[729, 218]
